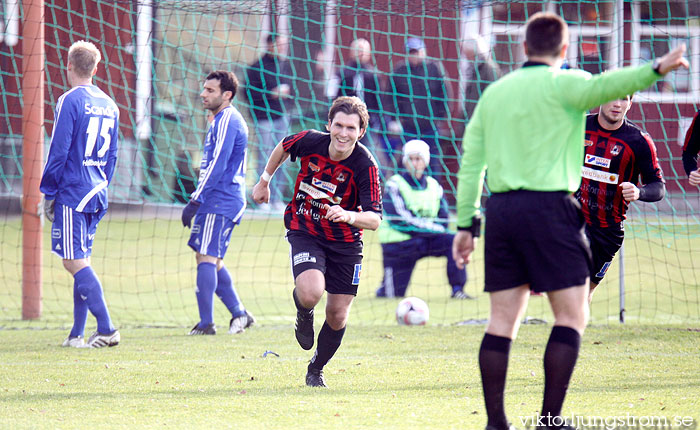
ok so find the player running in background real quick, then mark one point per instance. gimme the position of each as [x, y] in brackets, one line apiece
[617, 156]
[528, 128]
[337, 195]
[79, 167]
[218, 203]
[691, 147]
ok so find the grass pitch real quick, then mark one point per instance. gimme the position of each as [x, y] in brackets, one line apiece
[386, 377]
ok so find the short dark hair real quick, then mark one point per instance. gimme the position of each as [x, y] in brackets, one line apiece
[227, 81]
[270, 39]
[350, 105]
[545, 34]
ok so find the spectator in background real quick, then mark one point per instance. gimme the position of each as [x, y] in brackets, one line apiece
[480, 71]
[691, 147]
[420, 97]
[415, 225]
[268, 83]
[360, 78]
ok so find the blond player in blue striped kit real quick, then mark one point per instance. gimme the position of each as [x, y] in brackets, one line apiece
[79, 167]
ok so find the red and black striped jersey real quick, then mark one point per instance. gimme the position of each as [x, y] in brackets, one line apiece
[352, 183]
[691, 146]
[612, 157]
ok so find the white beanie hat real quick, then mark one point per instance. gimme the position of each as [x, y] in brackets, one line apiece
[416, 146]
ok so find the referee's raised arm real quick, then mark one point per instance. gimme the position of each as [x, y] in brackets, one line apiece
[527, 134]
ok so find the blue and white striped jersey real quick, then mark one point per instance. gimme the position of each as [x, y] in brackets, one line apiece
[221, 184]
[83, 151]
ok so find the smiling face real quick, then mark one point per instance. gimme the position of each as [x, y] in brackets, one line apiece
[345, 131]
[613, 113]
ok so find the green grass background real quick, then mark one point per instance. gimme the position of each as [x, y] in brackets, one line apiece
[148, 274]
[384, 375]
[387, 377]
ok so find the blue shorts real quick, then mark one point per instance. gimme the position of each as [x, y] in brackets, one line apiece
[72, 232]
[211, 234]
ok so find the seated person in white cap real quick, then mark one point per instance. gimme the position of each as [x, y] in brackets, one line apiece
[415, 225]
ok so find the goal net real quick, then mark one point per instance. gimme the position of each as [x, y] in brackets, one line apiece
[156, 54]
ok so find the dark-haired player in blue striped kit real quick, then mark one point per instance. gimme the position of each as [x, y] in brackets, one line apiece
[218, 203]
[79, 167]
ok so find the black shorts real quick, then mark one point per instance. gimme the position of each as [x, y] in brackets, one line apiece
[535, 238]
[340, 262]
[605, 242]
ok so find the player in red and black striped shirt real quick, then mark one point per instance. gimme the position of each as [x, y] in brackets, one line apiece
[691, 147]
[617, 155]
[336, 195]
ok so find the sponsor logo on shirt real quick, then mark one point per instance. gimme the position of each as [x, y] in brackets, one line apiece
[597, 161]
[599, 175]
[327, 186]
[56, 233]
[303, 257]
[109, 111]
[588, 142]
[314, 193]
[314, 167]
[94, 163]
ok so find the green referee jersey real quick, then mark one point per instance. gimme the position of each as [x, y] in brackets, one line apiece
[528, 130]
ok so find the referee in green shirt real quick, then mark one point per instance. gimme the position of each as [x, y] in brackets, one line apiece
[528, 129]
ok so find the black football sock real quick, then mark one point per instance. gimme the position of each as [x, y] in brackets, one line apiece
[328, 343]
[559, 361]
[493, 362]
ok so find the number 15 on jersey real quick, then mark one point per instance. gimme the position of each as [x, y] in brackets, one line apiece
[98, 126]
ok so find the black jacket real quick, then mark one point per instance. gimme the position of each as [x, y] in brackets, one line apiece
[262, 76]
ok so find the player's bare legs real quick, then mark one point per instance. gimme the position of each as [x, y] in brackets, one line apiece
[570, 308]
[338, 310]
[507, 309]
[593, 285]
[310, 285]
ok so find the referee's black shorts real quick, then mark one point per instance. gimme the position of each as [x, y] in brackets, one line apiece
[535, 238]
[605, 242]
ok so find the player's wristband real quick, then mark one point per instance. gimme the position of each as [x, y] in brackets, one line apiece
[353, 217]
[475, 228]
[265, 176]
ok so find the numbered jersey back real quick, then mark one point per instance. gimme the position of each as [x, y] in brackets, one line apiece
[85, 132]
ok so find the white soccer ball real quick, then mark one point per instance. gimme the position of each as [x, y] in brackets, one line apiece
[412, 311]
